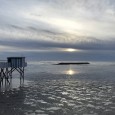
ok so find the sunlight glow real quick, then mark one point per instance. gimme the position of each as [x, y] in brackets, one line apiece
[71, 50]
[70, 72]
[62, 23]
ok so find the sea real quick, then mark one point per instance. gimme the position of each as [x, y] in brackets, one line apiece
[49, 89]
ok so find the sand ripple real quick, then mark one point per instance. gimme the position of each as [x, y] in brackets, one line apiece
[60, 97]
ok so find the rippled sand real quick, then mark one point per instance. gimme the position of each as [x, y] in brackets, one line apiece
[60, 97]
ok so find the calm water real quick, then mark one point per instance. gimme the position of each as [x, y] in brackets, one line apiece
[61, 90]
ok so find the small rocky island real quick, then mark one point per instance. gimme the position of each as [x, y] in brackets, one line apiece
[72, 63]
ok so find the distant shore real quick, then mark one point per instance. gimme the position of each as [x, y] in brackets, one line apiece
[72, 63]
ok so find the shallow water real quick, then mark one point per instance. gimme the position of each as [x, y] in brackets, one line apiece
[61, 90]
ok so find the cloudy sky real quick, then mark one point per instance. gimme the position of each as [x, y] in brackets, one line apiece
[58, 29]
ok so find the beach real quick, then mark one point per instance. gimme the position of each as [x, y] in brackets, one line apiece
[61, 90]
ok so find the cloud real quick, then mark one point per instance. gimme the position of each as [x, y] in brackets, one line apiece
[49, 46]
[50, 25]
[86, 17]
[89, 55]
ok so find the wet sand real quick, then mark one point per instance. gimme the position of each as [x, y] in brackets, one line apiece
[58, 94]
[64, 97]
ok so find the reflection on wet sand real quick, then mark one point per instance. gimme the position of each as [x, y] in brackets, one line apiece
[8, 84]
[11, 99]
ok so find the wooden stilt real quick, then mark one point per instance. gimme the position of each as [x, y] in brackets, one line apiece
[12, 64]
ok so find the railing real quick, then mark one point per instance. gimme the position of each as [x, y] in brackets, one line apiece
[3, 65]
[6, 65]
[3, 60]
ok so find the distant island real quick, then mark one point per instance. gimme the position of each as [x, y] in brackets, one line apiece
[72, 63]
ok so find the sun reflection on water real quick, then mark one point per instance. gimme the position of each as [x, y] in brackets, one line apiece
[70, 72]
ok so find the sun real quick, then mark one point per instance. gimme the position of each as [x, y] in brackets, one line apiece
[71, 50]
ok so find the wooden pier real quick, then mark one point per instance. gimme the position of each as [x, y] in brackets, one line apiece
[10, 65]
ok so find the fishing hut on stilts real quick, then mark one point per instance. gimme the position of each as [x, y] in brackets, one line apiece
[10, 65]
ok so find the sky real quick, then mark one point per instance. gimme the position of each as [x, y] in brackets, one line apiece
[77, 30]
